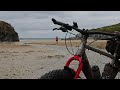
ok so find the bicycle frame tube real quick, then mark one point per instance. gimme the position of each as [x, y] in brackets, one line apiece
[81, 49]
[87, 68]
[99, 51]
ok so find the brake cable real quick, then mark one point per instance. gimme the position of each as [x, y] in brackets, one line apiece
[92, 42]
[71, 43]
[66, 44]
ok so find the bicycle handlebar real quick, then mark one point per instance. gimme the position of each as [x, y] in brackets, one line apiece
[69, 27]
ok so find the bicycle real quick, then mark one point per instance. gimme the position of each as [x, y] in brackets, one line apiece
[91, 72]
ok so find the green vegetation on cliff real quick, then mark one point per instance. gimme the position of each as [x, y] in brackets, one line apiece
[111, 28]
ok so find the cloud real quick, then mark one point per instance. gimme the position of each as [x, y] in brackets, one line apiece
[39, 24]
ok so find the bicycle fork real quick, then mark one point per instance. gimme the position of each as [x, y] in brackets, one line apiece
[90, 73]
[77, 72]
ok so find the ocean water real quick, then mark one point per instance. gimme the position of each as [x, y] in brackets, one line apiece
[37, 39]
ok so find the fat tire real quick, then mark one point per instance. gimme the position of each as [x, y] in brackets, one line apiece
[59, 74]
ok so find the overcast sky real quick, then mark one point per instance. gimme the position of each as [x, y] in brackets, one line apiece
[38, 24]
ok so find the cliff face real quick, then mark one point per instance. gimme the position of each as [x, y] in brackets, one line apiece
[7, 32]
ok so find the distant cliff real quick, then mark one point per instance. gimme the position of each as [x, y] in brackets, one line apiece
[7, 32]
[110, 28]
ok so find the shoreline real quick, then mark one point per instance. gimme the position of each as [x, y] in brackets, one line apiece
[98, 44]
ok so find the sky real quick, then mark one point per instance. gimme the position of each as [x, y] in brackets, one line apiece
[38, 24]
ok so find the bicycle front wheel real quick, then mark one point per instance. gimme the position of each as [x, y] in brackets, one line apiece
[59, 74]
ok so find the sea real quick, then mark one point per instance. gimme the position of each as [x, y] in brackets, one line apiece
[24, 39]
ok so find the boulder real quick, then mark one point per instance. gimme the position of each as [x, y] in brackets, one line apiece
[7, 32]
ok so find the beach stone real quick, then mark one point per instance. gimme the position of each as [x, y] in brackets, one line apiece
[7, 32]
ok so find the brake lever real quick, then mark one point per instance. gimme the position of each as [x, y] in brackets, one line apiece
[55, 29]
[63, 29]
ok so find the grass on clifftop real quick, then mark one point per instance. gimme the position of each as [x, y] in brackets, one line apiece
[111, 28]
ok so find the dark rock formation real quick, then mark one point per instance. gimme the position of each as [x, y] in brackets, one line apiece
[7, 33]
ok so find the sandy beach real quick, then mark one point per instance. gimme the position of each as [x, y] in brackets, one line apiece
[32, 58]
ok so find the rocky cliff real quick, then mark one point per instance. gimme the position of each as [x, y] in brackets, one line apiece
[7, 32]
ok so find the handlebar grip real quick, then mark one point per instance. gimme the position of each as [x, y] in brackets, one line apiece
[62, 24]
[54, 21]
[58, 22]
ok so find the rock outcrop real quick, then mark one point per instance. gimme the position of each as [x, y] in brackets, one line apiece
[7, 32]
